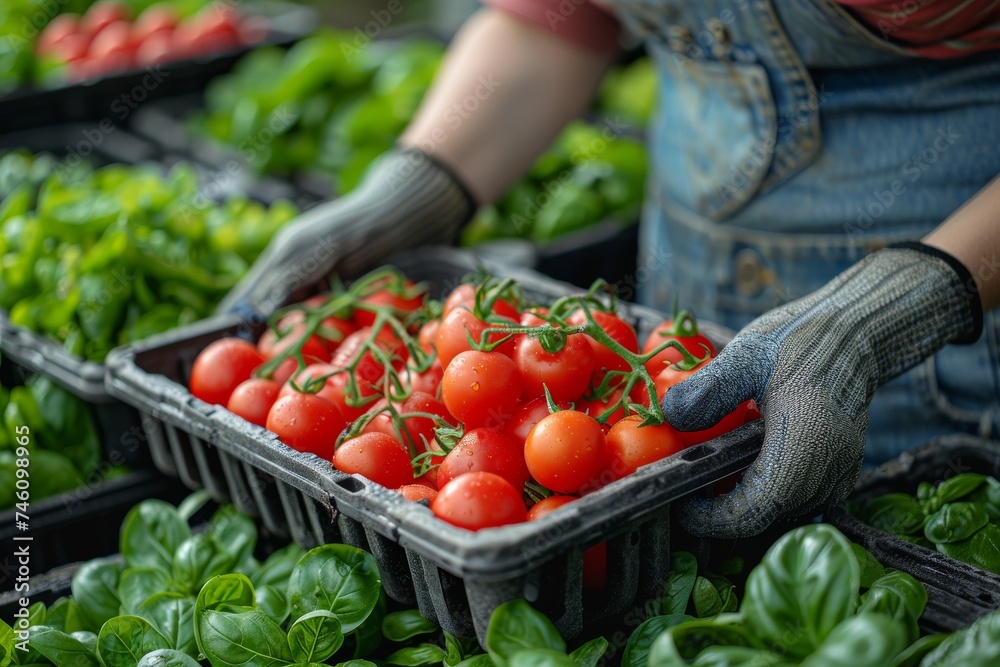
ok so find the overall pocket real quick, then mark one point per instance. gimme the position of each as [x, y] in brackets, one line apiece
[715, 135]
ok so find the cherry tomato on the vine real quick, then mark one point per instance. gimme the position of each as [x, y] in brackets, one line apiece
[631, 446]
[452, 336]
[489, 450]
[481, 388]
[565, 452]
[619, 331]
[566, 373]
[377, 456]
[417, 492]
[385, 297]
[479, 500]
[695, 343]
[221, 367]
[307, 423]
[526, 415]
[253, 399]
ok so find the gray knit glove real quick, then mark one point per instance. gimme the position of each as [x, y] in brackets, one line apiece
[408, 199]
[812, 366]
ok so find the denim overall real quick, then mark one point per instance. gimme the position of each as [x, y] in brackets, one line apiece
[791, 140]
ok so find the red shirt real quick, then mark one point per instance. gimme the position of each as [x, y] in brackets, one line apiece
[929, 28]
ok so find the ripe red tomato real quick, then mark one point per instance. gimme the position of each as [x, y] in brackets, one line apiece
[671, 375]
[464, 296]
[451, 338]
[566, 373]
[214, 29]
[744, 413]
[481, 388]
[565, 452]
[619, 330]
[426, 382]
[307, 423]
[631, 446]
[156, 49]
[479, 500]
[428, 332]
[253, 399]
[221, 367]
[58, 29]
[684, 333]
[71, 49]
[301, 378]
[595, 559]
[417, 492]
[285, 370]
[526, 415]
[335, 391]
[369, 372]
[488, 450]
[160, 17]
[102, 14]
[111, 49]
[384, 297]
[378, 457]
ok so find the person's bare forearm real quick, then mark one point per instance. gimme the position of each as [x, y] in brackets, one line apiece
[972, 235]
[504, 92]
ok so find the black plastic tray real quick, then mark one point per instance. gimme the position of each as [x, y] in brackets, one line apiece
[96, 99]
[79, 524]
[958, 592]
[455, 577]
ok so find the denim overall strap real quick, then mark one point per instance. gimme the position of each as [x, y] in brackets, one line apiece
[791, 140]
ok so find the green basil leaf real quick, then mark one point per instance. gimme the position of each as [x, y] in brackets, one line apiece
[315, 636]
[95, 591]
[416, 656]
[481, 660]
[235, 531]
[138, 584]
[151, 533]
[276, 570]
[739, 656]
[338, 578]
[955, 522]
[713, 596]
[55, 616]
[124, 640]
[540, 657]
[808, 579]
[272, 602]
[589, 654]
[899, 596]
[173, 615]
[684, 642]
[981, 550]
[355, 663]
[865, 640]
[248, 639]
[680, 582]
[367, 637]
[37, 613]
[402, 625]
[87, 638]
[60, 648]
[975, 646]
[516, 626]
[6, 643]
[226, 590]
[958, 487]
[917, 651]
[198, 559]
[896, 513]
[871, 569]
[637, 649]
[167, 657]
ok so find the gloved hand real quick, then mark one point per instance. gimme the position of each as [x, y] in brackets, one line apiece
[812, 366]
[408, 199]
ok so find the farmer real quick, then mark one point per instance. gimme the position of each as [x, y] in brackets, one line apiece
[826, 167]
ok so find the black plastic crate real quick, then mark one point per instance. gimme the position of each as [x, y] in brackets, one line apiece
[958, 592]
[102, 98]
[456, 577]
[79, 524]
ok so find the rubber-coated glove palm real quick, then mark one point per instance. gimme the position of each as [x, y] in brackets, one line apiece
[812, 366]
[407, 200]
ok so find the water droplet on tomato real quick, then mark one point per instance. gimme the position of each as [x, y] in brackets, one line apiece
[475, 386]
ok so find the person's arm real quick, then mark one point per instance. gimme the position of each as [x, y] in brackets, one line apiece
[506, 88]
[972, 236]
[504, 92]
[813, 365]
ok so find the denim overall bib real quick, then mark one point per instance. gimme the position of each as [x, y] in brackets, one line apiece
[790, 141]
